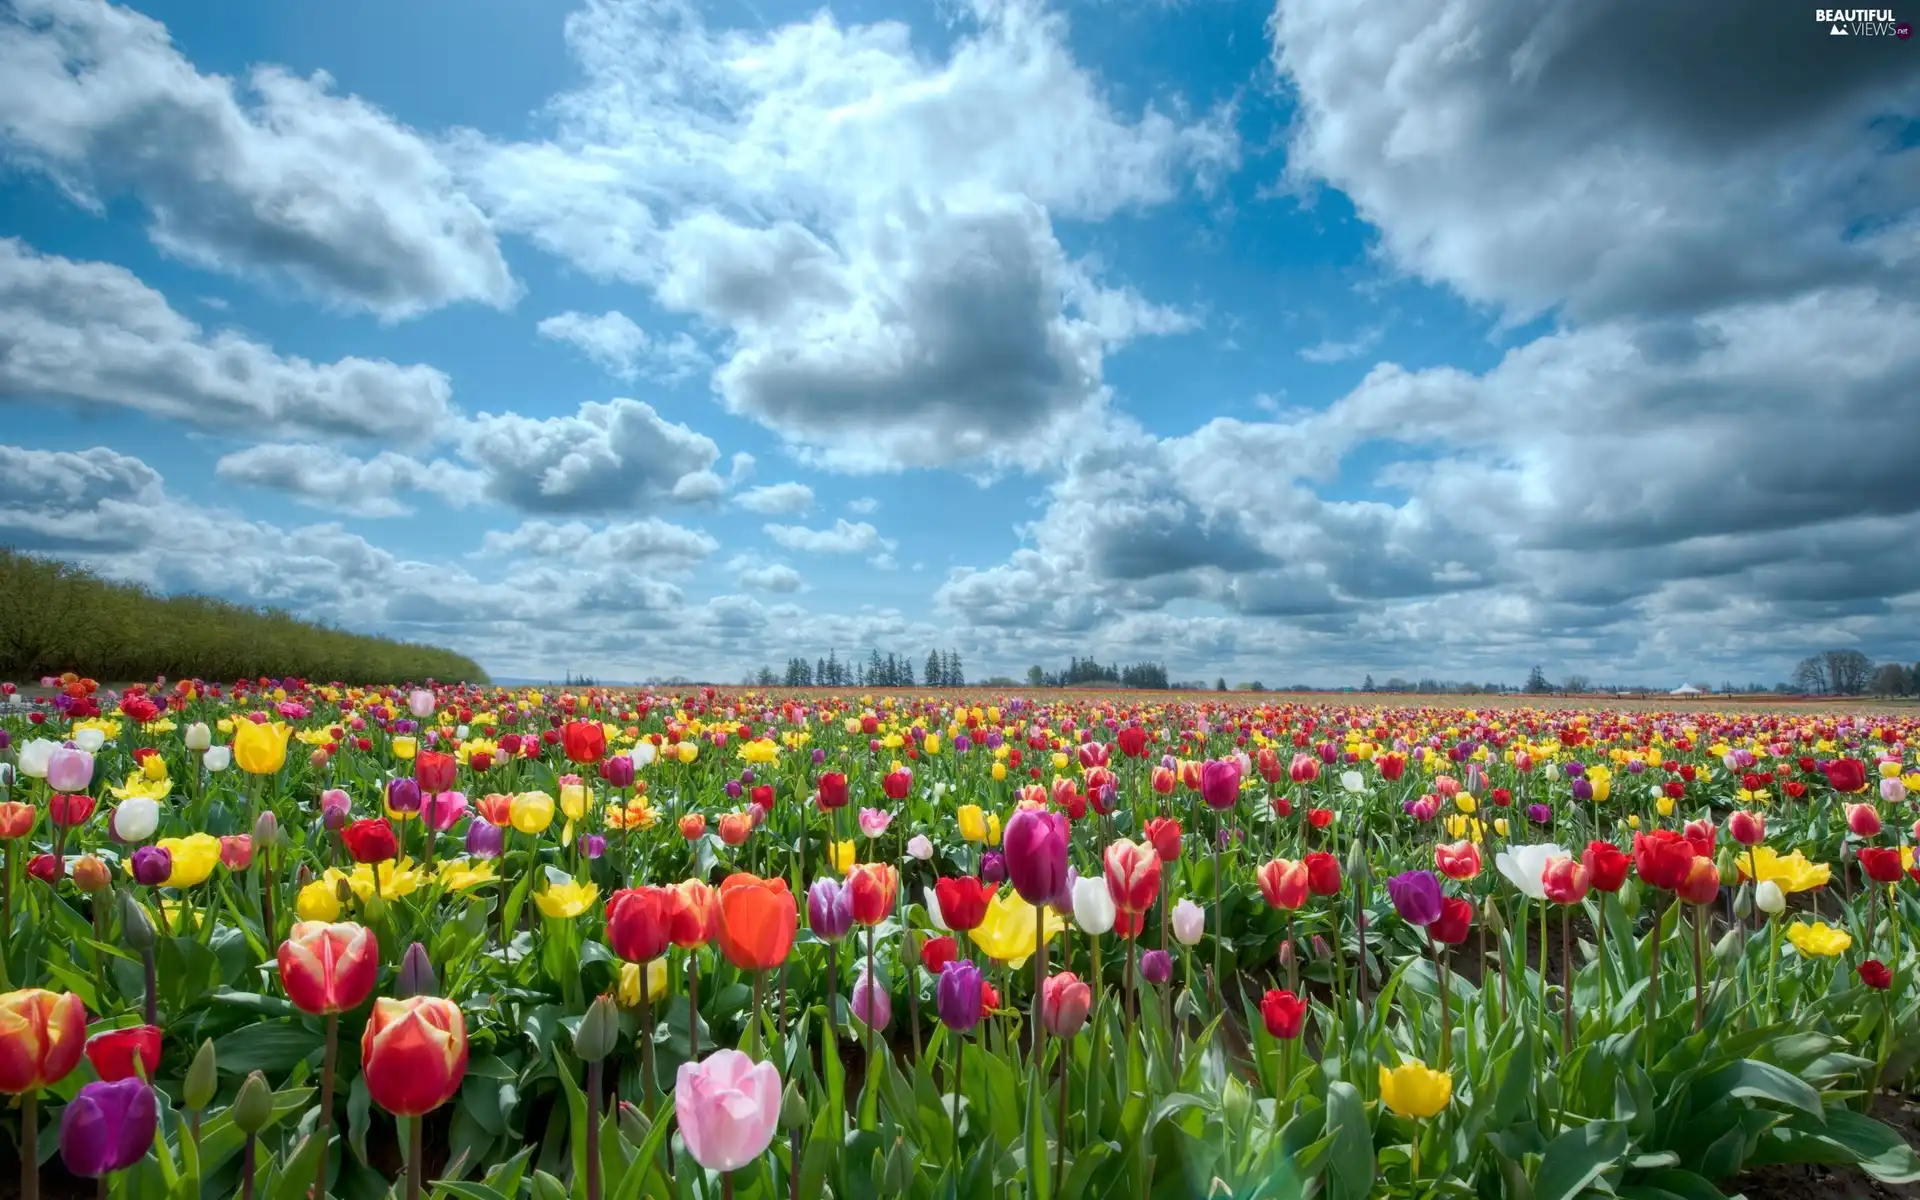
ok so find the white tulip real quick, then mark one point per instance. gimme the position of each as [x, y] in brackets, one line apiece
[1093, 908]
[420, 703]
[1525, 865]
[90, 740]
[34, 755]
[643, 752]
[1189, 922]
[934, 914]
[1352, 781]
[198, 737]
[218, 758]
[136, 819]
[919, 847]
[460, 733]
[1769, 899]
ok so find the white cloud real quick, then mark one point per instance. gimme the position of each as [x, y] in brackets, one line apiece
[622, 349]
[765, 577]
[91, 333]
[1330, 351]
[871, 226]
[778, 499]
[846, 537]
[300, 183]
[649, 540]
[606, 458]
[863, 506]
[325, 477]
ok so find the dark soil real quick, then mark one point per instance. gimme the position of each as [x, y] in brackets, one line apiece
[1794, 1182]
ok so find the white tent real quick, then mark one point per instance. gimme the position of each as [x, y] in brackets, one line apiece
[1686, 689]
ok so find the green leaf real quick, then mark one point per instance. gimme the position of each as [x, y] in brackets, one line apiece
[269, 1046]
[1351, 1155]
[1758, 1080]
[1578, 1157]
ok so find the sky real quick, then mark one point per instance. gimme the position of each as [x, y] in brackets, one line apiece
[644, 338]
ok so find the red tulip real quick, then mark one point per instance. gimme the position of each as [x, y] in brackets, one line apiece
[896, 784]
[963, 901]
[434, 771]
[328, 968]
[1881, 864]
[937, 952]
[371, 840]
[640, 922]
[1457, 860]
[1323, 873]
[1875, 974]
[1133, 875]
[1863, 820]
[1565, 880]
[1606, 866]
[124, 1053]
[1702, 884]
[1702, 834]
[833, 790]
[1845, 774]
[16, 820]
[1283, 1013]
[1454, 922]
[696, 913]
[1283, 883]
[414, 1053]
[872, 887]
[68, 809]
[41, 1035]
[1132, 741]
[1164, 833]
[1747, 828]
[1663, 858]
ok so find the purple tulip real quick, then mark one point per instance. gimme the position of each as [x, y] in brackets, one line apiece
[484, 840]
[1576, 769]
[403, 795]
[829, 909]
[1540, 814]
[993, 868]
[108, 1127]
[1220, 783]
[819, 756]
[592, 845]
[152, 865]
[619, 771]
[746, 777]
[1416, 897]
[958, 995]
[1156, 967]
[1635, 767]
[1103, 799]
[872, 1006]
[1035, 845]
[416, 974]
[733, 789]
[995, 740]
[962, 744]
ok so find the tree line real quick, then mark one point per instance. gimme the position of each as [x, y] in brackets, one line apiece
[57, 617]
[1851, 673]
[943, 669]
[1082, 671]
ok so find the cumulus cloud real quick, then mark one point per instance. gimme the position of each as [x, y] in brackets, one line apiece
[846, 537]
[777, 499]
[767, 577]
[871, 226]
[278, 175]
[606, 458]
[91, 333]
[650, 540]
[622, 349]
[326, 477]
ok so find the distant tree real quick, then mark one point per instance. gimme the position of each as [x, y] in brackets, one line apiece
[766, 678]
[1848, 671]
[1220, 685]
[1036, 676]
[1256, 686]
[1366, 685]
[1577, 683]
[1810, 675]
[956, 675]
[1537, 684]
[934, 675]
[1890, 680]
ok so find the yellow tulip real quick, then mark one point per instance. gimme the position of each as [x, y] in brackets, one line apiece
[1818, 940]
[396, 879]
[629, 991]
[1005, 934]
[317, 902]
[1602, 781]
[687, 751]
[1059, 761]
[1889, 769]
[531, 812]
[573, 800]
[842, 854]
[973, 823]
[993, 829]
[1500, 826]
[1793, 872]
[1664, 806]
[138, 788]
[260, 749]
[999, 771]
[404, 748]
[194, 858]
[1465, 827]
[459, 874]
[932, 744]
[566, 900]
[1465, 803]
[1413, 1089]
[155, 770]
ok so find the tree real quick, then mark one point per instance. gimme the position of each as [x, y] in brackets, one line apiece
[935, 675]
[1810, 675]
[956, 676]
[1577, 683]
[1890, 680]
[1848, 671]
[1036, 676]
[1537, 684]
[1366, 685]
[1220, 685]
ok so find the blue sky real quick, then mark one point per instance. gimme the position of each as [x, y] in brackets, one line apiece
[644, 338]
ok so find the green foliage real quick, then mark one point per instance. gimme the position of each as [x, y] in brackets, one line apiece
[56, 617]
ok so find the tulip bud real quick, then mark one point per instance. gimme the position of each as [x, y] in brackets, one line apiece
[794, 1113]
[1187, 1005]
[1769, 899]
[1743, 901]
[896, 1170]
[135, 929]
[416, 974]
[91, 875]
[1490, 917]
[1357, 862]
[203, 1078]
[599, 1031]
[633, 1125]
[266, 830]
[318, 759]
[253, 1107]
[1726, 951]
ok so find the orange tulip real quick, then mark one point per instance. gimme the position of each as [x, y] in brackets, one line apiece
[16, 820]
[757, 920]
[1283, 883]
[873, 887]
[42, 1035]
[496, 809]
[696, 913]
[734, 828]
[414, 1053]
[328, 968]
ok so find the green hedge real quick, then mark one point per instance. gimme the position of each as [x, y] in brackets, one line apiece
[56, 617]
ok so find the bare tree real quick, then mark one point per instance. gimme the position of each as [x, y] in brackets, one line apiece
[1890, 680]
[1848, 671]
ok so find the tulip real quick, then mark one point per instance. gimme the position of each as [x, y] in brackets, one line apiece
[833, 791]
[1606, 866]
[566, 900]
[1454, 922]
[371, 840]
[640, 922]
[1323, 873]
[260, 749]
[1769, 898]
[1881, 864]
[1132, 875]
[328, 969]
[1563, 880]
[124, 1053]
[1523, 866]
[1283, 1013]
[485, 840]
[42, 1034]
[531, 812]
[1036, 855]
[198, 737]
[434, 771]
[756, 922]
[1846, 775]
[583, 741]
[1416, 897]
[1875, 974]
[1164, 834]
[872, 1006]
[1415, 1090]
[236, 851]
[727, 1106]
[414, 1054]
[134, 820]
[1093, 906]
[1156, 967]
[420, 702]
[958, 995]
[1863, 820]
[151, 865]
[1747, 828]
[1283, 884]
[829, 909]
[1189, 923]
[1663, 858]
[872, 888]
[962, 902]
[1064, 1003]
[69, 770]
[1220, 783]
[1702, 883]
[217, 758]
[108, 1127]
[91, 875]
[34, 756]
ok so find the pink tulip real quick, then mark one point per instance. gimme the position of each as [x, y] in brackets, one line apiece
[236, 852]
[443, 810]
[1863, 820]
[728, 1106]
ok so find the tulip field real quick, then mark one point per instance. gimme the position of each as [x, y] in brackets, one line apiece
[284, 939]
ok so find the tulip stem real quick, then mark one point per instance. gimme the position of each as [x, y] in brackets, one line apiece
[1446, 1003]
[1566, 977]
[593, 1113]
[1219, 931]
[29, 1145]
[645, 1033]
[693, 1000]
[959, 1086]
[1060, 1123]
[1699, 971]
[246, 1173]
[325, 1130]
[1653, 985]
[417, 1168]
[99, 955]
